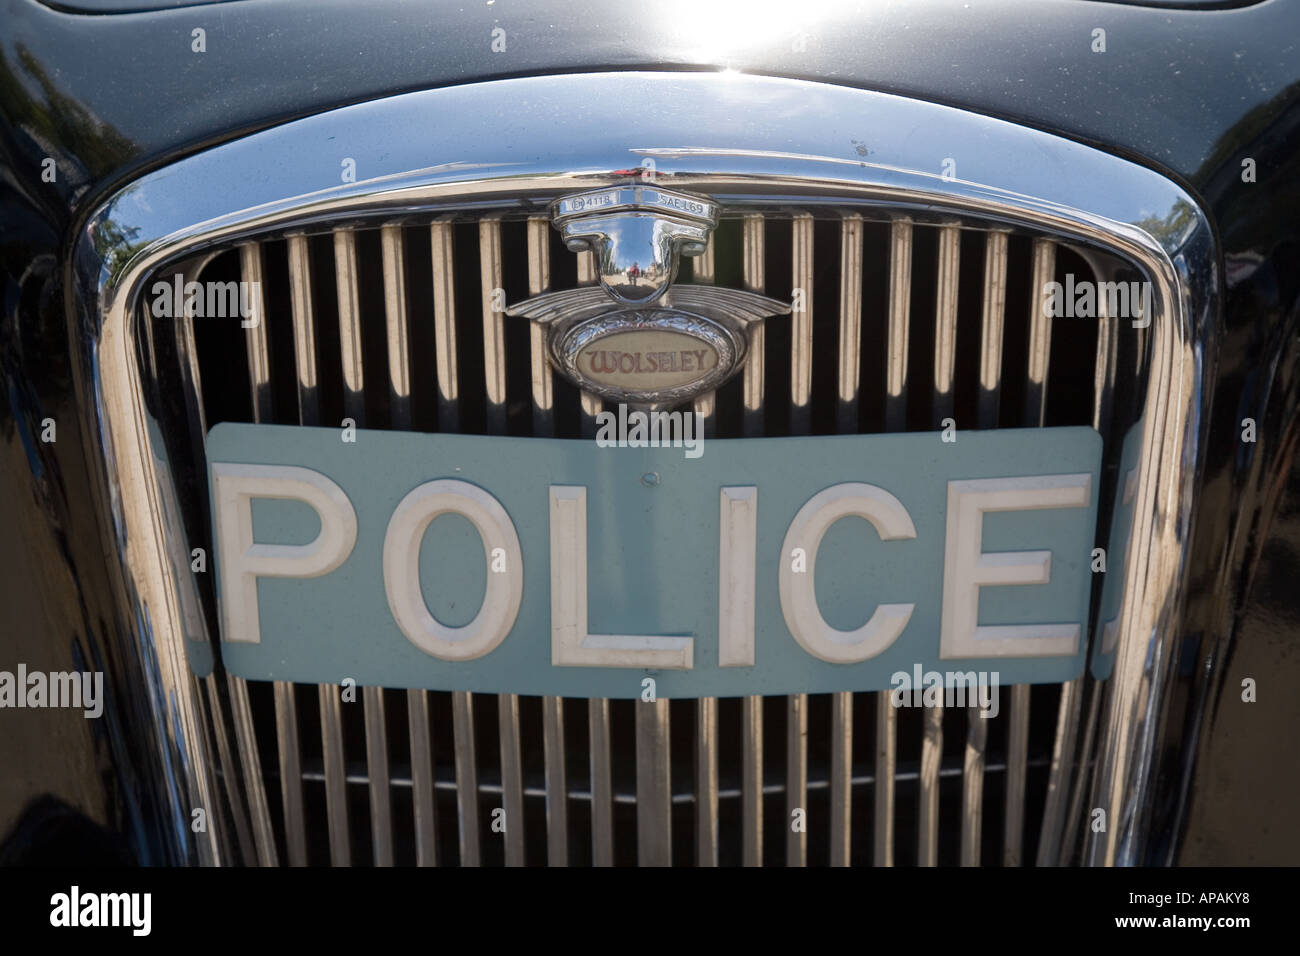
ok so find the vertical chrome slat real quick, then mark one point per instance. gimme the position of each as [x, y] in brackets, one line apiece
[393, 251]
[900, 307]
[751, 785]
[259, 353]
[896, 354]
[1040, 352]
[246, 736]
[945, 320]
[462, 720]
[900, 299]
[444, 326]
[927, 841]
[491, 282]
[1017, 758]
[304, 344]
[945, 363]
[602, 787]
[286, 715]
[539, 281]
[886, 763]
[801, 351]
[494, 330]
[381, 811]
[841, 778]
[557, 793]
[796, 750]
[417, 712]
[304, 329]
[290, 753]
[972, 791]
[850, 353]
[444, 323]
[395, 322]
[1070, 829]
[706, 781]
[850, 371]
[347, 283]
[1040, 332]
[796, 785]
[751, 782]
[229, 774]
[512, 777]
[990, 377]
[336, 786]
[755, 280]
[654, 830]
[991, 325]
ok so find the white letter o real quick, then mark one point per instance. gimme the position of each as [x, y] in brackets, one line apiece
[504, 591]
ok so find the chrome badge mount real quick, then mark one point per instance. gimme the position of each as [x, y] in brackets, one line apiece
[637, 338]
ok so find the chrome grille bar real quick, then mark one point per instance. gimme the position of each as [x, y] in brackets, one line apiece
[354, 407]
[494, 332]
[304, 340]
[653, 784]
[945, 363]
[491, 277]
[228, 773]
[896, 349]
[706, 781]
[990, 376]
[841, 778]
[263, 835]
[462, 719]
[286, 712]
[393, 247]
[393, 254]
[336, 791]
[796, 787]
[286, 721]
[602, 788]
[754, 233]
[796, 760]
[751, 782]
[557, 810]
[444, 323]
[512, 777]
[850, 370]
[1040, 351]
[417, 713]
[539, 281]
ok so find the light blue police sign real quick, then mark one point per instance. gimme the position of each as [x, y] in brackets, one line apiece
[766, 566]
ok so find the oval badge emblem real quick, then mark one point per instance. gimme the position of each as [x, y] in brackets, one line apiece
[652, 356]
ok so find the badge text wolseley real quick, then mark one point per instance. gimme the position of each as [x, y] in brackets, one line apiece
[638, 338]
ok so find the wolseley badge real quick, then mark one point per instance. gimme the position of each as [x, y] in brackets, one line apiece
[636, 337]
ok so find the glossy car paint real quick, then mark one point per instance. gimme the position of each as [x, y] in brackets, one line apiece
[1191, 93]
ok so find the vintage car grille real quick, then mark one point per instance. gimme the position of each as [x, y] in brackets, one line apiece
[912, 318]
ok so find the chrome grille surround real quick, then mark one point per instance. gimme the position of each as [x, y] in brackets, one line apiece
[787, 143]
